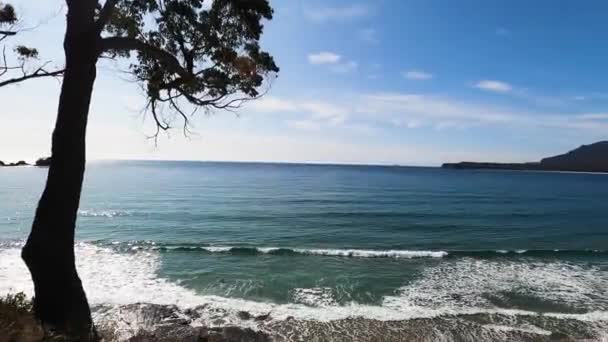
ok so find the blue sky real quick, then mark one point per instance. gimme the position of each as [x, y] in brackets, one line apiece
[400, 82]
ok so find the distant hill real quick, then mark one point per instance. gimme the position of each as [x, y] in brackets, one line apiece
[587, 158]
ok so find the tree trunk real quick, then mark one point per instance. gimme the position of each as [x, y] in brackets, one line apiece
[60, 301]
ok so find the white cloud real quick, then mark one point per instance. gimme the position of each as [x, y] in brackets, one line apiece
[494, 86]
[417, 75]
[333, 59]
[324, 57]
[345, 67]
[325, 14]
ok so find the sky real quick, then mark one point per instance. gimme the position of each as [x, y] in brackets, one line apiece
[413, 82]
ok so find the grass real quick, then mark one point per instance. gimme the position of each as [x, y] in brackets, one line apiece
[17, 321]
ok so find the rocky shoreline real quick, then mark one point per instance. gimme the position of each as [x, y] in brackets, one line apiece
[151, 322]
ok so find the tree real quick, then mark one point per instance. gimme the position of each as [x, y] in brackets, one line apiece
[20, 70]
[186, 54]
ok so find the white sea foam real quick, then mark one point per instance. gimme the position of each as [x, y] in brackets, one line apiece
[103, 213]
[318, 296]
[362, 253]
[470, 283]
[113, 278]
[218, 249]
[354, 253]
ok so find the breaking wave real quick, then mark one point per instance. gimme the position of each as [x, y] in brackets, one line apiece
[348, 252]
[113, 279]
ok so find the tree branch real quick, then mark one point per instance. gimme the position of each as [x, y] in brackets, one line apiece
[131, 44]
[36, 74]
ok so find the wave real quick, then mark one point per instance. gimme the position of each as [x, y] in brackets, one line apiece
[114, 279]
[351, 252]
[529, 253]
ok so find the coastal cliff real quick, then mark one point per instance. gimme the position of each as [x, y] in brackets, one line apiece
[587, 158]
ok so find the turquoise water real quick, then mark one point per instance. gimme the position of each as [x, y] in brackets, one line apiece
[326, 242]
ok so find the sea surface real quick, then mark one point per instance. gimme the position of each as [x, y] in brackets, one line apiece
[333, 249]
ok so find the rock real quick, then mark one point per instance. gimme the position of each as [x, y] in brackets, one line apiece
[19, 163]
[244, 315]
[1, 163]
[43, 162]
[241, 334]
[262, 317]
[172, 334]
[192, 313]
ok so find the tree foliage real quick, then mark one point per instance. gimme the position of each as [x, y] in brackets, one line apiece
[190, 53]
[24, 65]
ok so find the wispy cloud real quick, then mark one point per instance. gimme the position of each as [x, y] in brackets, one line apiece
[324, 14]
[368, 35]
[591, 96]
[321, 113]
[417, 75]
[415, 111]
[270, 104]
[594, 116]
[345, 67]
[494, 86]
[304, 125]
[324, 57]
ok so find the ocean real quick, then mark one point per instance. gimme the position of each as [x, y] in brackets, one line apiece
[333, 252]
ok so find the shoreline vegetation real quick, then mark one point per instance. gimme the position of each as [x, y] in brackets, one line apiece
[18, 323]
[587, 158]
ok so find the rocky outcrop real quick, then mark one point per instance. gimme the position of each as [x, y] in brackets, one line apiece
[19, 163]
[587, 158]
[43, 162]
[39, 162]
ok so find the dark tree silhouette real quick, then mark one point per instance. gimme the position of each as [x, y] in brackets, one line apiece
[186, 54]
